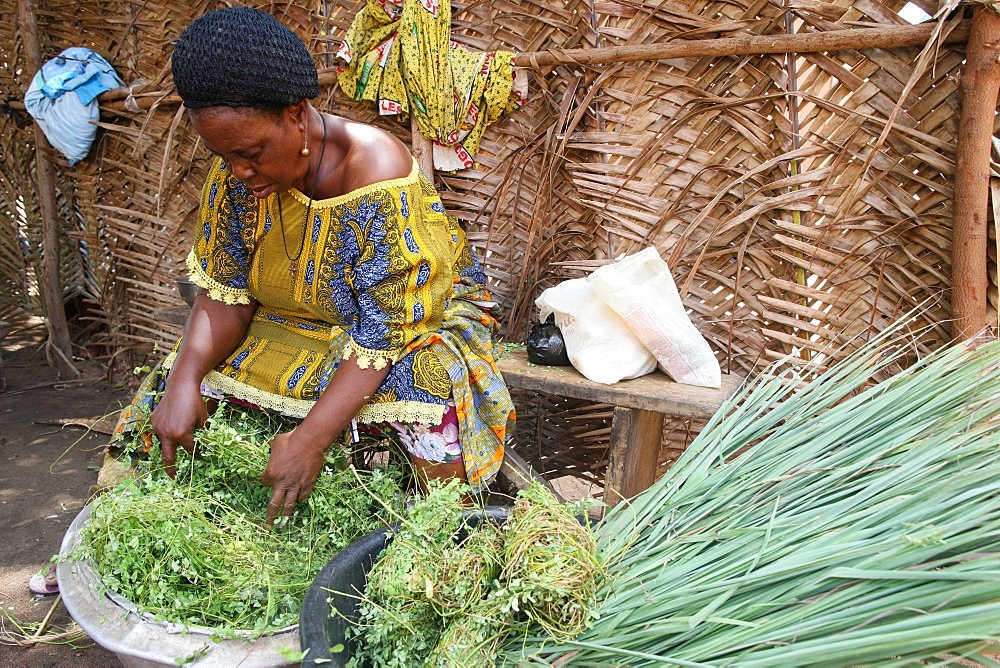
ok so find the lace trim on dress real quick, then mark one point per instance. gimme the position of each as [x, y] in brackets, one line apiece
[368, 358]
[297, 408]
[374, 413]
[402, 411]
[216, 290]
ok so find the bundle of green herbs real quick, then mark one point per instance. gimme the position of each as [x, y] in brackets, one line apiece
[818, 519]
[447, 591]
[195, 550]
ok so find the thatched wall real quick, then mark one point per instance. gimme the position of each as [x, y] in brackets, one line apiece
[792, 218]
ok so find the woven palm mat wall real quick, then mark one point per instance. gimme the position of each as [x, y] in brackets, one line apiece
[793, 215]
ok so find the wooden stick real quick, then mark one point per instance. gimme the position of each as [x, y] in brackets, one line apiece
[833, 40]
[55, 383]
[45, 621]
[422, 148]
[55, 310]
[979, 87]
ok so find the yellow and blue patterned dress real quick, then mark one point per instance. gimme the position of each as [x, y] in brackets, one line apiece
[384, 277]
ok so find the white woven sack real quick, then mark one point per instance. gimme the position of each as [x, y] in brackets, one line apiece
[598, 343]
[641, 290]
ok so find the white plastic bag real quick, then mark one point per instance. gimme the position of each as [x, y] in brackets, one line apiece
[641, 290]
[598, 342]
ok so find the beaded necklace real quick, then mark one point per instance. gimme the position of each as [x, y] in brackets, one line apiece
[293, 265]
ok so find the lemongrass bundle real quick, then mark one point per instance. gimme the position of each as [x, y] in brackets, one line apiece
[816, 520]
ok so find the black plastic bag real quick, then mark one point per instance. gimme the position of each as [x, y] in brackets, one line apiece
[545, 344]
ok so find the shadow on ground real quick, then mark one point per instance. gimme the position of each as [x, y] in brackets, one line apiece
[46, 471]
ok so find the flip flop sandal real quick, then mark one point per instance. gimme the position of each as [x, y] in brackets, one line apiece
[40, 584]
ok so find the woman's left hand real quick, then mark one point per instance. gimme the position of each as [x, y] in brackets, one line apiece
[292, 470]
[297, 457]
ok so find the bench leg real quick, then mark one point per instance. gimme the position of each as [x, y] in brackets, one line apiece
[635, 445]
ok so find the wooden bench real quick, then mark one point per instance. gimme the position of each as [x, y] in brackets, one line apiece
[640, 406]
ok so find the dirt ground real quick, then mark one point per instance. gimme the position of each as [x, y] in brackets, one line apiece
[46, 471]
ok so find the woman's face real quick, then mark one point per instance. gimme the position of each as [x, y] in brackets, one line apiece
[261, 147]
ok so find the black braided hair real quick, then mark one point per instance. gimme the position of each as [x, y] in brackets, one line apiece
[242, 57]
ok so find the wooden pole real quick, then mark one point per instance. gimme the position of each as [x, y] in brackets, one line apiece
[979, 87]
[422, 149]
[833, 40]
[887, 37]
[55, 314]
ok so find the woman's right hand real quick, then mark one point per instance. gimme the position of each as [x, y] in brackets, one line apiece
[179, 412]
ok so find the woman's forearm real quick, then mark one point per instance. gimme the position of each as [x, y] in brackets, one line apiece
[349, 390]
[212, 332]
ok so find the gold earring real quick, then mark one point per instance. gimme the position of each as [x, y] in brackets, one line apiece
[305, 143]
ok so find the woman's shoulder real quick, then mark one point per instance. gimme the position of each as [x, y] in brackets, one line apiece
[374, 156]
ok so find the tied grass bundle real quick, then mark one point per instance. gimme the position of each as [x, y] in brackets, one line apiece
[815, 521]
[467, 641]
[195, 550]
[465, 573]
[447, 594]
[551, 571]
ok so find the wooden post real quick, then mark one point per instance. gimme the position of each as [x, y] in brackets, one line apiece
[55, 314]
[887, 37]
[883, 37]
[635, 444]
[979, 88]
[422, 149]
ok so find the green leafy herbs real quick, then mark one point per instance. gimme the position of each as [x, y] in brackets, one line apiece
[551, 570]
[195, 550]
[448, 589]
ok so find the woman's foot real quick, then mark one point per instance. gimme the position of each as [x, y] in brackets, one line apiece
[46, 584]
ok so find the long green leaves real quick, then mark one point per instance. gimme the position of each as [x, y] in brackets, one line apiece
[816, 520]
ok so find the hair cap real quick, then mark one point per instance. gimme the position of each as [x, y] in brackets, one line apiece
[242, 57]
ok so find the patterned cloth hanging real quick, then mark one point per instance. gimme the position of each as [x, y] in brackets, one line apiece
[399, 54]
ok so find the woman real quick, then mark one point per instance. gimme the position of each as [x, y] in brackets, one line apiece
[334, 286]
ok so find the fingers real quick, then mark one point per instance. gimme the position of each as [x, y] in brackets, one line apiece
[282, 504]
[274, 507]
[187, 442]
[289, 505]
[168, 453]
